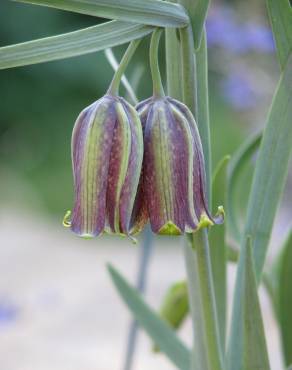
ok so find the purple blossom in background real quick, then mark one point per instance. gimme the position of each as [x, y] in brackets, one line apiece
[8, 312]
[237, 90]
[225, 30]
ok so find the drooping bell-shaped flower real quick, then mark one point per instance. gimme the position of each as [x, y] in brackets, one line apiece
[173, 175]
[107, 152]
[172, 189]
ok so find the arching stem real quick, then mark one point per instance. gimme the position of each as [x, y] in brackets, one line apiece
[154, 65]
[115, 84]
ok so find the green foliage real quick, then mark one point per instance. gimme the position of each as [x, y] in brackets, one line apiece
[160, 332]
[268, 182]
[187, 79]
[151, 12]
[285, 298]
[198, 12]
[71, 44]
[235, 171]
[280, 13]
[255, 354]
[218, 250]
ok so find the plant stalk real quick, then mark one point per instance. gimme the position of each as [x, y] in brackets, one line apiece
[188, 69]
[115, 84]
[207, 352]
[154, 64]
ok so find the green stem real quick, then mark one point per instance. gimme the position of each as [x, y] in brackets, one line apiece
[115, 84]
[203, 109]
[188, 69]
[154, 65]
[173, 64]
[207, 351]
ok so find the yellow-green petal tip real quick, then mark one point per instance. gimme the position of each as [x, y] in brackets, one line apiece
[169, 228]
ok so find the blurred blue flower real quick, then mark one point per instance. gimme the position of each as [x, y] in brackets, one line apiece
[224, 29]
[8, 312]
[237, 90]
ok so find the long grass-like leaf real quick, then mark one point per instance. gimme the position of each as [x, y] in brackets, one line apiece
[71, 44]
[150, 12]
[255, 355]
[235, 167]
[280, 12]
[218, 250]
[285, 298]
[160, 332]
[267, 186]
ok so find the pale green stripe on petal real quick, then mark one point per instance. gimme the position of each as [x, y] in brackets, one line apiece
[91, 166]
[122, 120]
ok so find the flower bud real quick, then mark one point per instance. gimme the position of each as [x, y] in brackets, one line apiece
[173, 180]
[107, 152]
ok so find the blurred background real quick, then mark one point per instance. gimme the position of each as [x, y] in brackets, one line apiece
[58, 309]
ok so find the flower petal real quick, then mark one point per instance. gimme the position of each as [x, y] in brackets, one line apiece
[129, 189]
[119, 162]
[199, 175]
[165, 179]
[91, 145]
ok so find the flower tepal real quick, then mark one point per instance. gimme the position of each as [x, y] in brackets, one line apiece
[107, 152]
[173, 179]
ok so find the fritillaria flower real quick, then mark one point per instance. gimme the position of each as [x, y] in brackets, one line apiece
[173, 190]
[107, 152]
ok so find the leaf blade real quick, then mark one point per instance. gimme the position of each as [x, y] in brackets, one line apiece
[151, 12]
[280, 13]
[268, 183]
[237, 162]
[157, 329]
[218, 250]
[255, 348]
[197, 10]
[84, 41]
[285, 299]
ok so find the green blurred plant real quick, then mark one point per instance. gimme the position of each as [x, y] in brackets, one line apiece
[187, 80]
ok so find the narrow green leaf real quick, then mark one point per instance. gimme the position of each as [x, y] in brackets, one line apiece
[272, 275]
[255, 354]
[285, 299]
[151, 12]
[235, 167]
[87, 40]
[197, 10]
[280, 13]
[218, 250]
[268, 182]
[160, 332]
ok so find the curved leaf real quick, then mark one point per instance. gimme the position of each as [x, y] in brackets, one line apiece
[87, 40]
[268, 183]
[151, 12]
[160, 332]
[218, 250]
[285, 299]
[197, 10]
[280, 12]
[236, 164]
[255, 354]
